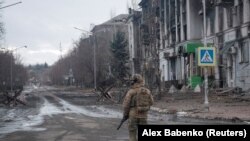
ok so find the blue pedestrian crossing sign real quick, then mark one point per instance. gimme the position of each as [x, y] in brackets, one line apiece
[206, 56]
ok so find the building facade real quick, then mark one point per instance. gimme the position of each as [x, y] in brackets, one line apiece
[150, 42]
[165, 35]
[135, 52]
[103, 35]
[182, 32]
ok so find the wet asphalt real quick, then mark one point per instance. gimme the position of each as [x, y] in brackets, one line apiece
[54, 114]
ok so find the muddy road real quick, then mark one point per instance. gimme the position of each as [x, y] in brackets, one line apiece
[54, 114]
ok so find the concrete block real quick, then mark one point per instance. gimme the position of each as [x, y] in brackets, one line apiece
[197, 89]
[184, 89]
[172, 89]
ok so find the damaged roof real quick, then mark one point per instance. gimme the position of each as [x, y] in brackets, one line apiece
[120, 19]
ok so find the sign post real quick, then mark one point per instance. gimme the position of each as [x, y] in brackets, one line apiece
[206, 58]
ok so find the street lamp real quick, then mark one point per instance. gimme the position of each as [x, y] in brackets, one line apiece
[94, 38]
[11, 68]
[88, 32]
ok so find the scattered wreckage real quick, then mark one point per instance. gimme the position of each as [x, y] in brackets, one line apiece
[11, 97]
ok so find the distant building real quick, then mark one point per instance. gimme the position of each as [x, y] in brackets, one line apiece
[103, 35]
[117, 23]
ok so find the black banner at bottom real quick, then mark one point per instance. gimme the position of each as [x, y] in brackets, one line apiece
[194, 132]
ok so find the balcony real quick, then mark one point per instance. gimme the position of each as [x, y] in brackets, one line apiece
[225, 3]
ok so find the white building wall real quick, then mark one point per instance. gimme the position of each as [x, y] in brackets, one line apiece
[242, 78]
[132, 43]
[235, 16]
[217, 20]
[163, 67]
[194, 21]
[181, 21]
[225, 26]
[163, 61]
[246, 10]
[131, 46]
[243, 71]
[165, 23]
[183, 68]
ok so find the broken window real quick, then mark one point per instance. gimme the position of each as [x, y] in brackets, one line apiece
[240, 12]
[230, 16]
[173, 68]
[212, 20]
[184, 18]
[221, 20]
[145, 34]
[163, 73]
[173, 33]
[249, 9]
[244, 52]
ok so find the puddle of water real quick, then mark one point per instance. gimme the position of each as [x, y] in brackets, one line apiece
[12, 122]
[49, 109]
[21, 120]
[91, 111]
[107, 111]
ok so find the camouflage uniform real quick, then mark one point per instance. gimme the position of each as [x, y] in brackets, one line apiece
[131, 110]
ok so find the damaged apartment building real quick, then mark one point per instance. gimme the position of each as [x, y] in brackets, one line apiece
[227, 30]
[144, 41]
[165, 35]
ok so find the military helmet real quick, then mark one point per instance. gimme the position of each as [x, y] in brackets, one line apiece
[137, 78]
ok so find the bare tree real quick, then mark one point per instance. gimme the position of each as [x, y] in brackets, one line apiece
[19, 72]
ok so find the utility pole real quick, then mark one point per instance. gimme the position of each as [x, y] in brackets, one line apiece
[206, 103]
[95, 43]
[11, 73]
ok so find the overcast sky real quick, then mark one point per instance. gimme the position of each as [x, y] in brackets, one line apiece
[43, 24]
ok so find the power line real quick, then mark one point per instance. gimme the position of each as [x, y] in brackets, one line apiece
[11, 5]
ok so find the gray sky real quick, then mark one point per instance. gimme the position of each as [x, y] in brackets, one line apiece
[43, 24]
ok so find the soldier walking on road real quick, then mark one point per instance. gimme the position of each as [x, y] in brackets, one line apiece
[136, 105]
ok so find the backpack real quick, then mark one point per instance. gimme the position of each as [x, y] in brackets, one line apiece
[143, 100]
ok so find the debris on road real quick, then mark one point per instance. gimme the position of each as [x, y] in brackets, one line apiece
[12, 99]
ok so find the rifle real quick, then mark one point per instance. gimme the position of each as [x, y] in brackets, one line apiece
[122, 121]
[124, 117]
